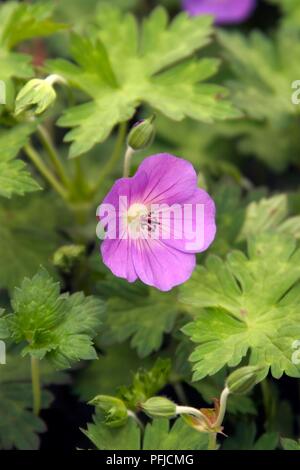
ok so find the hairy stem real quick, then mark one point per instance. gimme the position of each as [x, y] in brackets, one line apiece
[36, 385]
[55, 78]
[50, 149]
[189, 410]
[45, 172]
[212, 443]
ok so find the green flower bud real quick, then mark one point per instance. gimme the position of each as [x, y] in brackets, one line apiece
[242, 380]
[114, 410]
[142, 134]
[159, 407]
[37, 95]
[67, 256]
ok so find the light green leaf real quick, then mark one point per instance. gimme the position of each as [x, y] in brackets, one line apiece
[211, 386]
[253, 308]
[14, 178]
[264, 71]
[240, 217]
[290, 444]
[119, 69]
[58, 327]
[270, 214]
[23, 21]
[107, 438]
[14, 64]
[19, 22]
[158, 436]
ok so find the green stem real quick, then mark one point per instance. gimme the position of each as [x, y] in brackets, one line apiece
[189, 410]
[223, 404]
[36, 385]
[127, 162]
[109, 166]
[212, 441]
[50, 149]
[45, 172]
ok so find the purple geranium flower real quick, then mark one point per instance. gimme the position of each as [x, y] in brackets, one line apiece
[155, 222]
[224, 11]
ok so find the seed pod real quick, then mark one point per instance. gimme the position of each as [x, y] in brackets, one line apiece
[159, 407]
[114, 410]
[242, 380]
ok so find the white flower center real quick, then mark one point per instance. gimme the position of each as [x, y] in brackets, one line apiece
[136, 212]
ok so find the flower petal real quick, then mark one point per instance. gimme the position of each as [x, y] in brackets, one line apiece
[132, 188]
[117, 256]
[225, 11]
[124, 192]
[193, 228]
[170, 179]
[161, 266]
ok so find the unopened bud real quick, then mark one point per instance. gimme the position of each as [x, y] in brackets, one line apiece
[142, 134]
[114, 410]
[159, 407]
[67, 256]
[38, 94]
[242, 380]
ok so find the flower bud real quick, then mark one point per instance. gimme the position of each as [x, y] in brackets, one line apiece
[114, 410]
[142, 134]
[159, 407]
[242, 380]
[67, 256]
[37, 95]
